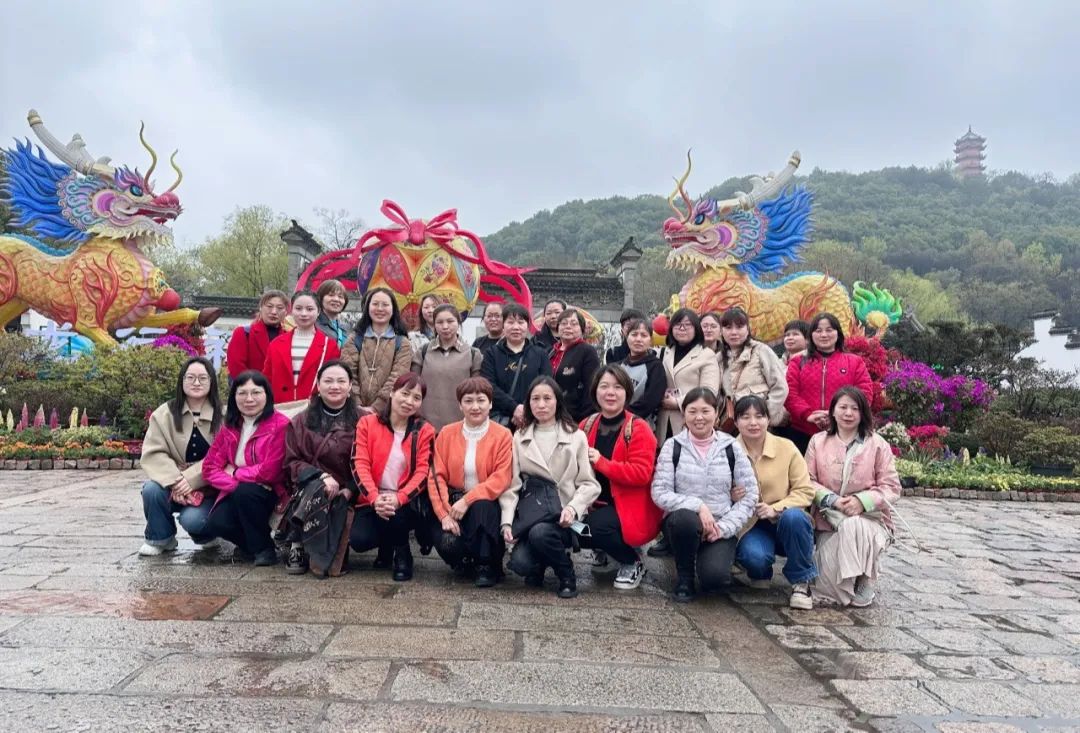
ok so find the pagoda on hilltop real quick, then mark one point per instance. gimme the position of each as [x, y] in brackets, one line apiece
[970, 154]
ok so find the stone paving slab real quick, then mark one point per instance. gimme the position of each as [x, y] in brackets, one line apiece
[979, 632]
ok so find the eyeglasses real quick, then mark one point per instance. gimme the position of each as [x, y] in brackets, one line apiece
[684, 324]
[252, 393]
[190, 379]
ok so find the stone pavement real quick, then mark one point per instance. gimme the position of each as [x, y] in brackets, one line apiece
[980, 632]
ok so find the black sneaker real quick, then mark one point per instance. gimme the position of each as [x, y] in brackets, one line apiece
[567, 584]
[662, 548]
[485, 576]
[296, 563]
[599, 559]
[265, 558]
[684, 590]
[383, 559]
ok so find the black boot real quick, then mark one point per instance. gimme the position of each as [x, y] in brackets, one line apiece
[662, 548]
[567, 581]
[403, 563]
[684, 589]
[383, 558]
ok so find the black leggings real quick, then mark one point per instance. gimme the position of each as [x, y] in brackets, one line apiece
[369, 530]
[243, 518]
[480, 538]
[709, 561]
[607, 535]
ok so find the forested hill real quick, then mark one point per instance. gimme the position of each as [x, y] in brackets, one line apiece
[989, 250]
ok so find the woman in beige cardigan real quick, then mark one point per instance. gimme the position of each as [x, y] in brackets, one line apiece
[749, 367]
[688, 364]
[548, 450]
[177, 439]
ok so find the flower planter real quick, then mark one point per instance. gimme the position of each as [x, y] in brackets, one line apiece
[134, 447]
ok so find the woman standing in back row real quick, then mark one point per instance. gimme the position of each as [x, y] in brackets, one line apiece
[378, 352]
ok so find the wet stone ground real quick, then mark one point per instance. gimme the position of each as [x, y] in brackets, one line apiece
[979, 632]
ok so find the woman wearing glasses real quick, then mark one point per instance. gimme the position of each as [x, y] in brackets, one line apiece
[688, 365]
[244, 464]
[177, 439]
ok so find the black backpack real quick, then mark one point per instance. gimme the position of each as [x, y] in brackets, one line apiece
[676, 454]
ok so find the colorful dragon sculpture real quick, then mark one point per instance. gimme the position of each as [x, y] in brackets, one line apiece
[729, 244]
[81, 260]
[415, 258]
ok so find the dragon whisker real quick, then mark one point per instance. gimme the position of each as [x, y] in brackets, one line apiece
[179, 173]
[153, 155]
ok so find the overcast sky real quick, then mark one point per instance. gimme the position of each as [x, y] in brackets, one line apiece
[501, 109]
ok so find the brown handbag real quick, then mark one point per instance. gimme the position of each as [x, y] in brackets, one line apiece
[727, 416]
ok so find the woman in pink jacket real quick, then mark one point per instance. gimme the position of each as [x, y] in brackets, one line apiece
[814, 378]
[853, 473]
[244, 464]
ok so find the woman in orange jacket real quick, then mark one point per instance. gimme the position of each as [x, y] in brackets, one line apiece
[390, 463]
[473, 464]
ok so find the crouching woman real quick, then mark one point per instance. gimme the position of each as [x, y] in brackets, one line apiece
[552, 488]
[853, 472]
[244, 465]
[318, 465]
[695, 473]
[177, 439]
[473, 460]
[390, 463]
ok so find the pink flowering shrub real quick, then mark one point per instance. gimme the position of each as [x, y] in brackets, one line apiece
[921, 396]
[929, 440]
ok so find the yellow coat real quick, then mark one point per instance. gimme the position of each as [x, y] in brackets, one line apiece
[783, 479]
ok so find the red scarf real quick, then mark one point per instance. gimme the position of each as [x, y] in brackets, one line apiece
[559, 352]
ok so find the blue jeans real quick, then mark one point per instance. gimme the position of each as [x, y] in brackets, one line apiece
[791, 536]
[158, 508]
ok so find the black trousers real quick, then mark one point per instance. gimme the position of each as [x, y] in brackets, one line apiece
[369, 530]
[243, 518]
[798, 437]
[607, 535]
[709, 561]
[480, 539]
[545, 545]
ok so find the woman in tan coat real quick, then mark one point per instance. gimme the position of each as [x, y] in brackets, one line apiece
[177, 439]
[688, 364]
[378, 351]
[749, 367]
[552, 471]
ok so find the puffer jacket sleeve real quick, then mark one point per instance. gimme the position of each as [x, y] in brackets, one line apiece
[796, 403]
[739, 514]
[663, 484]
[861, 376]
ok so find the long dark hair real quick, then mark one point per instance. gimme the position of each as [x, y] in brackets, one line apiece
[233, 417]
[866, 416]
[316, 419]
[733, 317]
[562, 415]
[408, 380]
[176, 404]
[395, 315]
[699, 337]
[811, 348]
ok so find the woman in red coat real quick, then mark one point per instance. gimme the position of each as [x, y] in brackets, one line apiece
[249, 344]
[390, 463]
[622, 451]
[814, 377]
[293, 360]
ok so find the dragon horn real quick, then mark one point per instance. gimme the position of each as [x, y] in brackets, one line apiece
[764, 189]
[679, 183]
[73, 154]
[153, 155]
[175, 167]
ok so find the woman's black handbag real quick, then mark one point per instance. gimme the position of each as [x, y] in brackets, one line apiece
[538, 502]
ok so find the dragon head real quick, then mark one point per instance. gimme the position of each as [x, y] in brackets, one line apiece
[85, 197]
[739, 231]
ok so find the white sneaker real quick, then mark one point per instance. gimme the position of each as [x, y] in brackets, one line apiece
[629, 576]
[148, 550]
[800, 597]
[864, 592]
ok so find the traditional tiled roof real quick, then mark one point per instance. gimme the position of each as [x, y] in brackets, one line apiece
[235, 306]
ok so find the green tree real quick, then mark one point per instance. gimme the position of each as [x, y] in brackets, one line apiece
[248, 257]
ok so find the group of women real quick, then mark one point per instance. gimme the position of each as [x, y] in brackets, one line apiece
[545, 451]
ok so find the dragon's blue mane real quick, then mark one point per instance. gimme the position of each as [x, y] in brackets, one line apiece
[789, 229]
[30, 187]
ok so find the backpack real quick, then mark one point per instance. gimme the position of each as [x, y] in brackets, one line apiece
[628, 426]
[676, 453]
